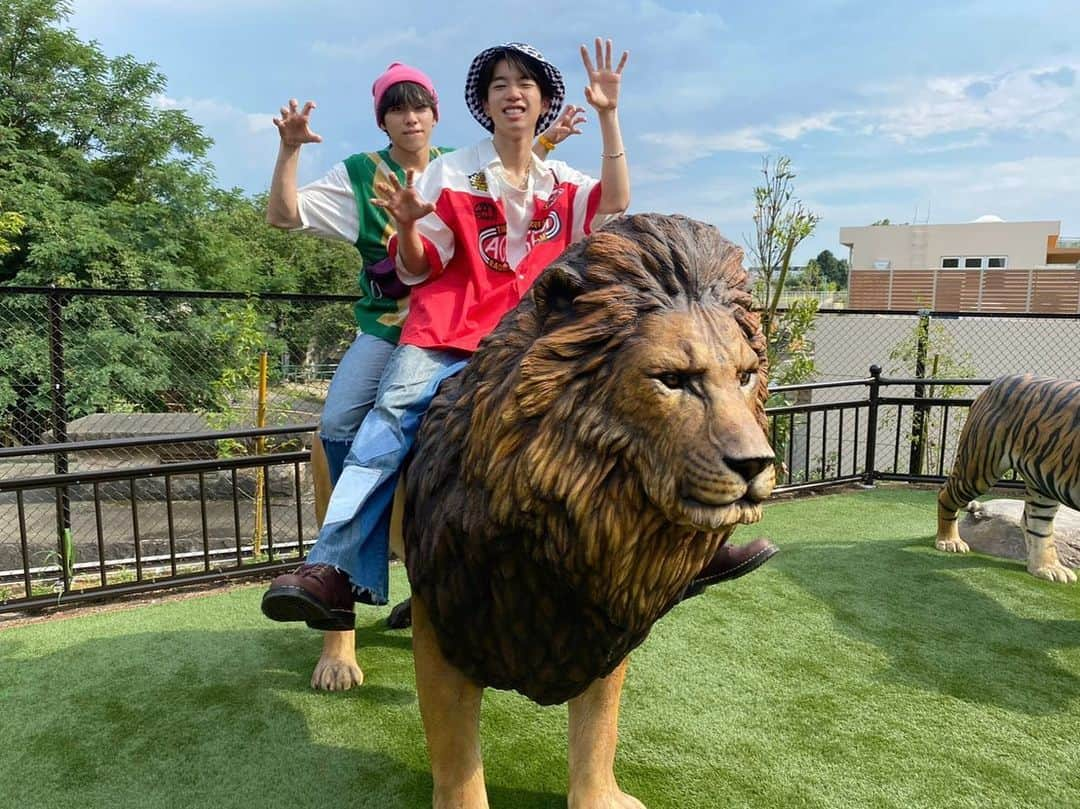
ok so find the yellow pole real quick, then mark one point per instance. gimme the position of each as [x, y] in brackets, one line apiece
[260, 447]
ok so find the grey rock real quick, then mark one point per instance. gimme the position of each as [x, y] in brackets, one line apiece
[995, 527]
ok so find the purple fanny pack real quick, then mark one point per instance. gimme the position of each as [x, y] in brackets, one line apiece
[384, 280]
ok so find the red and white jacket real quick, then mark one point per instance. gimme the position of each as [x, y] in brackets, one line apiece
[471, 285]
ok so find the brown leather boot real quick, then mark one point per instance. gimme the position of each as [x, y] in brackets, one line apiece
[319, 595]
[730, 562]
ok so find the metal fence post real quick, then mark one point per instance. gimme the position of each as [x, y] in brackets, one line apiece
[871, 425]
[57, 299]
[919, 411]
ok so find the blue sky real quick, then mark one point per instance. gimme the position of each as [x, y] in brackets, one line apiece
[886, 109]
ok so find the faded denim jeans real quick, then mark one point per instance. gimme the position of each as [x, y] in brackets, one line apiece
[355, 536]
[351, 395]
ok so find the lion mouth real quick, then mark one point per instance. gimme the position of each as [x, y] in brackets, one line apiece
[713, 516]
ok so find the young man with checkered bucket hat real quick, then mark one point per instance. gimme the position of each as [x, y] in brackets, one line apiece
[338, 206]
[522, 212]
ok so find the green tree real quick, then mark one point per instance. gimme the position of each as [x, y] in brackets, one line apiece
[833, 270]
[100, 186]
[929, 351]
[11, 225]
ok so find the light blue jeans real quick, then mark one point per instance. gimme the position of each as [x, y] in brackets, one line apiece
[350, 396]
[355, 536]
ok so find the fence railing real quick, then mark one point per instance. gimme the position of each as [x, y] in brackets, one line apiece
[131, 455]
[82, 535]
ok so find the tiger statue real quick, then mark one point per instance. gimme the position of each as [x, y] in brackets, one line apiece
[1030, 424]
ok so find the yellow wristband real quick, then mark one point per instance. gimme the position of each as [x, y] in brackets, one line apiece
[547, 144]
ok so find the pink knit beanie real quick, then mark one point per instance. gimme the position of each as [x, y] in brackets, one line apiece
[399, 72]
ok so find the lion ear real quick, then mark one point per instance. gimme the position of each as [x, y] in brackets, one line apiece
[555, 290]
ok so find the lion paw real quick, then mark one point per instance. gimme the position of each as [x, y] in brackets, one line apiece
[1057, 572]
[336, 674]
[952, 545]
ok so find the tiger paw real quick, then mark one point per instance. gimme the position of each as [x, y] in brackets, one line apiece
[1055, 572]
[952, 545]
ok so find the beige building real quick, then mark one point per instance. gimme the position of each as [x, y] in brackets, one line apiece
[985, 265]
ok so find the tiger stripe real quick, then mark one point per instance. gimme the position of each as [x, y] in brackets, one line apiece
[1032, 425]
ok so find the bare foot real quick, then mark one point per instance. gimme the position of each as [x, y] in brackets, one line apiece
[337, 669]
[613, 798]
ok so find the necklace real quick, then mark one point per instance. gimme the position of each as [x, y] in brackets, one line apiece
[520, 185]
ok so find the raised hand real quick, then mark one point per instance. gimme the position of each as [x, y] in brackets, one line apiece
[568, 123]
[603, 90]
[404, 203]
[293, 125]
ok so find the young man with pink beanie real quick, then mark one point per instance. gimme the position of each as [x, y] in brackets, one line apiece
[339, 206]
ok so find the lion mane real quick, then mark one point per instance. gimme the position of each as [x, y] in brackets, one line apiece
[546, 532]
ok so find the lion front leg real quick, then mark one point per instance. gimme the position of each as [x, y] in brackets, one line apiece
[337, 669]
[948, 536]
[1042, 554]
[450, 709]
[594, 735]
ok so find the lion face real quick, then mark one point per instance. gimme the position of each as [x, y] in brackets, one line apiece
[688, 390]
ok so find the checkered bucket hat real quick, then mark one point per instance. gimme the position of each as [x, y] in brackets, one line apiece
[475, 94]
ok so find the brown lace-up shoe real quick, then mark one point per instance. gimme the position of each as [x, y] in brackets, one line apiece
[730, 562]
[319, 595]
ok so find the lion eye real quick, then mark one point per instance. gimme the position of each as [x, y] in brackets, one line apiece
[673, 380]
[747, 378]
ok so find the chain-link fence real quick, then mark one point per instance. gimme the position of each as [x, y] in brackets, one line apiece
[147, 435]
[918, 427]
[847, 343]
[157, 411]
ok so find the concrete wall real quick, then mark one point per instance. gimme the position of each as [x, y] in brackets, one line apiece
[923, 246]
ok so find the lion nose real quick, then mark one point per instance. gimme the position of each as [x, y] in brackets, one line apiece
[748, 468]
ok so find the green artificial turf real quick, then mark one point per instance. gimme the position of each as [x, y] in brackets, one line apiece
[859, 668]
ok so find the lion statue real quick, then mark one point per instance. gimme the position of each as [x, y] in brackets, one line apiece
[572, 481]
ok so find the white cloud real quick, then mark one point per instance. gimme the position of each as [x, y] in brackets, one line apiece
[685, 147]
[212, 113]
[1045, 100]
[1026, 101]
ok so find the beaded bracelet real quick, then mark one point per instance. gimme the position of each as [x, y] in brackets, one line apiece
[547, 144]
[613, 156]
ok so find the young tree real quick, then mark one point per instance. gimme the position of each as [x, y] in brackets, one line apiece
[781, 223]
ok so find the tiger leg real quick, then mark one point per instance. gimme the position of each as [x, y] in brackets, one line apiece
[955, 495]
[1043, 560]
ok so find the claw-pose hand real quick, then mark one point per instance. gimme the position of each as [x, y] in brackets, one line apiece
[403, 202]
[568, 123]
[294, 125]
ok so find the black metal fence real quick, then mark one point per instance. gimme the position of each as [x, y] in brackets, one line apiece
[133, 455]
[93, 534]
